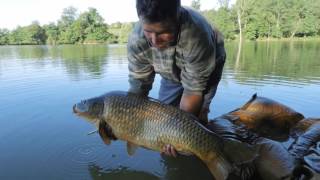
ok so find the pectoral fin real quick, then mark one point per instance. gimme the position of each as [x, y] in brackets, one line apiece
[131, 148]
[105, 132]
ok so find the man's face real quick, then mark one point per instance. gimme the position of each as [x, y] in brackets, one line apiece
[160, 35]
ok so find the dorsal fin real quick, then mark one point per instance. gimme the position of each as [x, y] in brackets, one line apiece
[250, 101]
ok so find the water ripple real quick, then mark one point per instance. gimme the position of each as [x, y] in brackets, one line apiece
[76, 159]
[243, 77]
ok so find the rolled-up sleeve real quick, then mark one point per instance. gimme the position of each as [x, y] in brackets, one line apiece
[141, 72]
[200, 63]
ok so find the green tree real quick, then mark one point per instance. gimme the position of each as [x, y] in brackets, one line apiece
[315, 6]
[68, 17]
[114, 30]
[15, 36]
[125, 30]
[32, 34]
[260, 20]
[96, 29]
[120, 32]
[35, 34]
[305, 17]
[88, 28]
[196, 4]
[223, 20]
[243, 9]
[4, 36]
[66, 36]
[52, 33]
[252, 19]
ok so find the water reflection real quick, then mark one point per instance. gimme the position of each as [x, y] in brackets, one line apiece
[185, 167]
[76, 60]
[182, 167]
[258, 63]
[121, 173]
[274, 63]
[82, 59]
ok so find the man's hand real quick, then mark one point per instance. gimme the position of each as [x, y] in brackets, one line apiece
[191, 103]
[203, 116]
[169, 150]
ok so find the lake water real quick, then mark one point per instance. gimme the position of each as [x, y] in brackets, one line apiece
[40, 137]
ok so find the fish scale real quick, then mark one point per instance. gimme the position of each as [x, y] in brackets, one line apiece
[185, 132]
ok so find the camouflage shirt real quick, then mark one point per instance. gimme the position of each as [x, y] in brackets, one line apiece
[190, 62]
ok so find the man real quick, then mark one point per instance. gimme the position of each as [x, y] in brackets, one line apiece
[180, 45]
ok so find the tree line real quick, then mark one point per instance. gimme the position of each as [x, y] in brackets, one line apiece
[71, 28]
[248, 19]
[265, 19]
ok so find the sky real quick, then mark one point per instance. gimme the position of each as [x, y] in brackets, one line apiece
[24, 12]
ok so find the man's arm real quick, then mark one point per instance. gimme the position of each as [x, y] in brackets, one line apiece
[191, 103]
[141, 72]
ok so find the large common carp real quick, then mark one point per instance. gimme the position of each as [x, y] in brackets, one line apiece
[266, 117]
[149, 123]
[274, 160]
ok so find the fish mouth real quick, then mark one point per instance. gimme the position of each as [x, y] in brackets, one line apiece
[80, 109]
[75, 109]
[86, 109]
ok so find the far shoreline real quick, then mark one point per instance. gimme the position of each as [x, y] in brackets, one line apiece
[295, 39]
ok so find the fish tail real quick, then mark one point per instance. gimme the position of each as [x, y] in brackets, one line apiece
[219, 167]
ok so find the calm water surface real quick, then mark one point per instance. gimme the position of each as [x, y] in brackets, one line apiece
[40, 138]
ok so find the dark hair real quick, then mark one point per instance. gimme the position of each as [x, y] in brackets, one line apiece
[157, 10]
